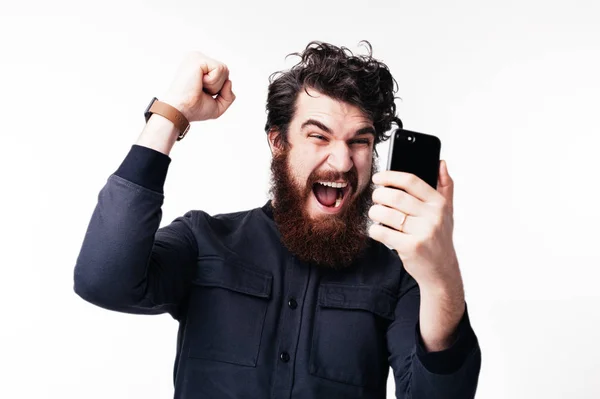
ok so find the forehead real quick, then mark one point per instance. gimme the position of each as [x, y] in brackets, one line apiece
[338, 115]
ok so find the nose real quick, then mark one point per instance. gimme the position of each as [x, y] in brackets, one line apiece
[340, 158]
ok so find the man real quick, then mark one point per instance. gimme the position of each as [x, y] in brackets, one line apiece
[299, 298]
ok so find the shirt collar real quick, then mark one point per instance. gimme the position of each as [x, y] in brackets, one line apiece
[268, 209]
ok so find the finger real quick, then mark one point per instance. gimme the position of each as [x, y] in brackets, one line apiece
[225, 97]
[213, 81]
[399, 200]
[445, 183]
[409, 182]
[390, 237]
[390, 217]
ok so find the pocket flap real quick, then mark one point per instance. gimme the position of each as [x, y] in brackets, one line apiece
[216, 272]
[364, 297]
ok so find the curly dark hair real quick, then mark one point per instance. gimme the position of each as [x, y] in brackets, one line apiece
[359, 80]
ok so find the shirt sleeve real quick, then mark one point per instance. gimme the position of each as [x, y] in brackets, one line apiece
[451, 373]
[449, 360]
[126, 263]
[145, 167]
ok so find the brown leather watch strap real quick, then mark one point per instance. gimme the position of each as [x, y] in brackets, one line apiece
[172, 114]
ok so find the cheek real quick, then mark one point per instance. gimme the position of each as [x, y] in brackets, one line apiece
[300, 171]
[364, 173]
[306, 163]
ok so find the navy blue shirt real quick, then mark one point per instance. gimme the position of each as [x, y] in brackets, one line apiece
[254, 321]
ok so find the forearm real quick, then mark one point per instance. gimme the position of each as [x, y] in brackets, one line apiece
[450, 373]
[441, 309]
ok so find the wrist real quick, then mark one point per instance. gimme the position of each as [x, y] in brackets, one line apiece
[159, 134]
[178, 104]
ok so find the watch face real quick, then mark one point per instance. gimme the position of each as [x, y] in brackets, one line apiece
[147, 113]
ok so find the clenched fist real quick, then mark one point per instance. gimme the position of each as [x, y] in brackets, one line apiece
[201, 89]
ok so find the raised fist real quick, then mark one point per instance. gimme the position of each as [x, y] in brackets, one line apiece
[201, 89]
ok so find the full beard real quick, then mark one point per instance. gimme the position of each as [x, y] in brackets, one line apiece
[334, 241]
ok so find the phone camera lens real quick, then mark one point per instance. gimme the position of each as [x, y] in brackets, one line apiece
[410, 138]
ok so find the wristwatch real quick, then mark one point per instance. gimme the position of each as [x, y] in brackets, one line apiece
[169, 112]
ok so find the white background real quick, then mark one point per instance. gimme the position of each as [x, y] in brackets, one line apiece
[510, 87]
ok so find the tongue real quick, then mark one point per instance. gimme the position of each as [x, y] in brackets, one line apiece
[325, 195]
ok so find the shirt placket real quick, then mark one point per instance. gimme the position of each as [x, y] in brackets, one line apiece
[294, 297]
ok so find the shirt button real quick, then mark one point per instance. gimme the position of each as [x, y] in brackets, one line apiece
[292, 303]
[285, 357]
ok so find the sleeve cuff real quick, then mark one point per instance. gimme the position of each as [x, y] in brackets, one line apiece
[145, 167]
[451, 359]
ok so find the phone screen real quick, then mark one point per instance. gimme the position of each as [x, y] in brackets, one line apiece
[416, 153]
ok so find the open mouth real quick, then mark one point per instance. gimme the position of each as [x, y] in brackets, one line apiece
[331, 195]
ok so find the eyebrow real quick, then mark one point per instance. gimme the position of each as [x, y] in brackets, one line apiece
[323, 127]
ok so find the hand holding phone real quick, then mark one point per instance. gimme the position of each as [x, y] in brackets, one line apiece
[420, 235]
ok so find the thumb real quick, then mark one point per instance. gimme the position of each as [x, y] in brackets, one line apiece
[445, 185]
[225, 97]
[213, 81]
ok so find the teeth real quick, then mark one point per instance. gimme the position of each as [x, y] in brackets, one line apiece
[338, 200]
[333, 184]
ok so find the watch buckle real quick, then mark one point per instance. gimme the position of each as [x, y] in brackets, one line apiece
[182, 134]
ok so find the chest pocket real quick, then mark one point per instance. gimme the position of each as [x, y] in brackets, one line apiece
[349, 342]
[227, 310]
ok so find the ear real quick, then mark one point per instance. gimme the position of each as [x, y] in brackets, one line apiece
[275, 140]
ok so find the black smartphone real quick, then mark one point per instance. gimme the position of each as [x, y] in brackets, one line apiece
[416, 153]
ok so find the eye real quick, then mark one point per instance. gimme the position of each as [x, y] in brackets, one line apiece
[361, 141]
[318, 136]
